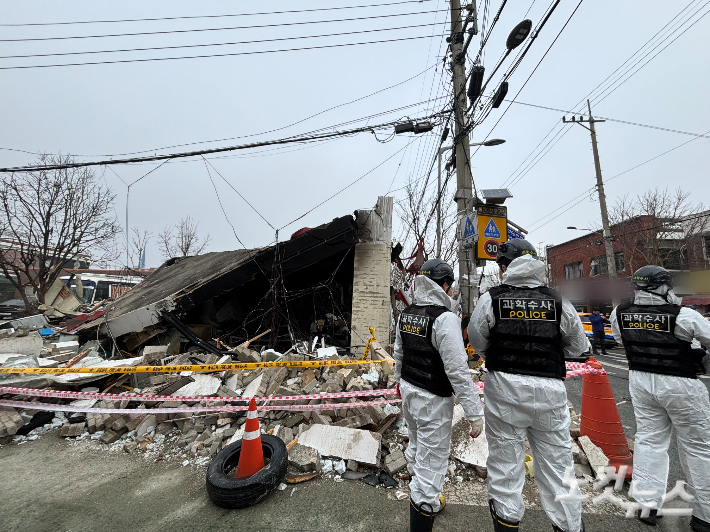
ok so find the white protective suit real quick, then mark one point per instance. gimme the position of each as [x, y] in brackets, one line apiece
[524, 406]
[665, 402]
[429, 416]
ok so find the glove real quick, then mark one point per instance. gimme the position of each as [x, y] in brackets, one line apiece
[398, 392]
[476, 428]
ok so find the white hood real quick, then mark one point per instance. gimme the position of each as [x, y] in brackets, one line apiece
[660, 296]
[427, 292]
[525, 271]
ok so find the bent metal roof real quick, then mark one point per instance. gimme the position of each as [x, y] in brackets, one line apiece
[183, 283]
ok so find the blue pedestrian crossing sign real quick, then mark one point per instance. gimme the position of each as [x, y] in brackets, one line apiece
[491, 230]
[469, 230]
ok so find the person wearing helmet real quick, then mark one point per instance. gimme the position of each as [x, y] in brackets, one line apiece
[430, 366]
[662, 342]
[524, 331]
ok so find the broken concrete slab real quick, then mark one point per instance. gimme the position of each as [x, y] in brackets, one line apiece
[463, 447]
[597, 459]
[253, 387]
[146, 426]
[350, 444]
[203, 385]
[25, 345]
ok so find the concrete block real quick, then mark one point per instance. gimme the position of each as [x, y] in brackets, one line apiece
[304, 458]
[597, 458]
[395, 462]
[10, 421]
[355, 422]
[352, 465]
[109, 436]
[72, 430]
[119, 424]
[206, 435]
[165, 427]
[350, 444]
[322, 419]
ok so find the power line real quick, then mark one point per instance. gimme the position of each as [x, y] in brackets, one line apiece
[607, 180]
[215, 55]
[589, 95]
[613, 120]
[350, 184]
[532, 40]
[193, 17]
[57, 54]
[240, 195]
[289, 140]
[194, 30]
[219, 200]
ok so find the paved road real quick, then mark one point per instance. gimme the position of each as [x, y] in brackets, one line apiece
[52, 485]
[617, 368]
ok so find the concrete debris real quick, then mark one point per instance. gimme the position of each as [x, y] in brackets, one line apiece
[596, 457]
[304, 458]
[395, 462]
[465, 448]
[351, 444]
[26, 345]
[203, 385]
[10, 423]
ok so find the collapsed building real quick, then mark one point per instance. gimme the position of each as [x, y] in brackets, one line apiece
[330, 282]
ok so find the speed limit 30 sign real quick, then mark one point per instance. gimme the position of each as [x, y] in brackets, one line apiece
[490, 248]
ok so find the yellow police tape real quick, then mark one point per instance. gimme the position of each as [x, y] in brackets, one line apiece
[194, 367]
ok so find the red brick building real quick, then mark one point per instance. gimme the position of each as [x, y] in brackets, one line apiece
[578, 267]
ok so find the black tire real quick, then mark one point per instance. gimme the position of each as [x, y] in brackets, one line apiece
[228, 492]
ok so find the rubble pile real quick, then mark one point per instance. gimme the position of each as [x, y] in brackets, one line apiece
[364, 443]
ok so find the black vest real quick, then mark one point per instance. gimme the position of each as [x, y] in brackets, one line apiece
[526, 338]
[422, 365]
[648, 335]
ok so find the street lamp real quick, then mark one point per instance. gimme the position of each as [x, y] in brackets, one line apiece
[492, 142]
[581, 228]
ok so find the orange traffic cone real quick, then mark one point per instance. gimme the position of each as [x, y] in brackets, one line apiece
[251, 456]
[601, 421]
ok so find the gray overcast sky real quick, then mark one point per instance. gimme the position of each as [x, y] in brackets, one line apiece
[120, 108]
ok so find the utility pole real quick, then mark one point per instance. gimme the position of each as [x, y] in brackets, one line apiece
[608, 239]
[462, 151]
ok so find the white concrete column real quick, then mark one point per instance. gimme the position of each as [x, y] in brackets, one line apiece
[371, 280]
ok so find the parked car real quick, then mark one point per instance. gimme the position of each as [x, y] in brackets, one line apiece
[609, 340]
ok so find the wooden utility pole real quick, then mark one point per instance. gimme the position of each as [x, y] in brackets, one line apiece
[608, 239]
[464, 194]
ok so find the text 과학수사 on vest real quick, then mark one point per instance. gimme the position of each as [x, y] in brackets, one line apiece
[412, 324]
[527, 309]
[656, 322]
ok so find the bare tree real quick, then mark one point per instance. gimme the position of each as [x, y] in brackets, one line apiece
[417, 212]
[656, 227]
[48, 217]
[139, 241]
[182, 240]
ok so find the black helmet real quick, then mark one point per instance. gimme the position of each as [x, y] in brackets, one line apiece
[438, 271]
[651, 277]
[512, 249]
